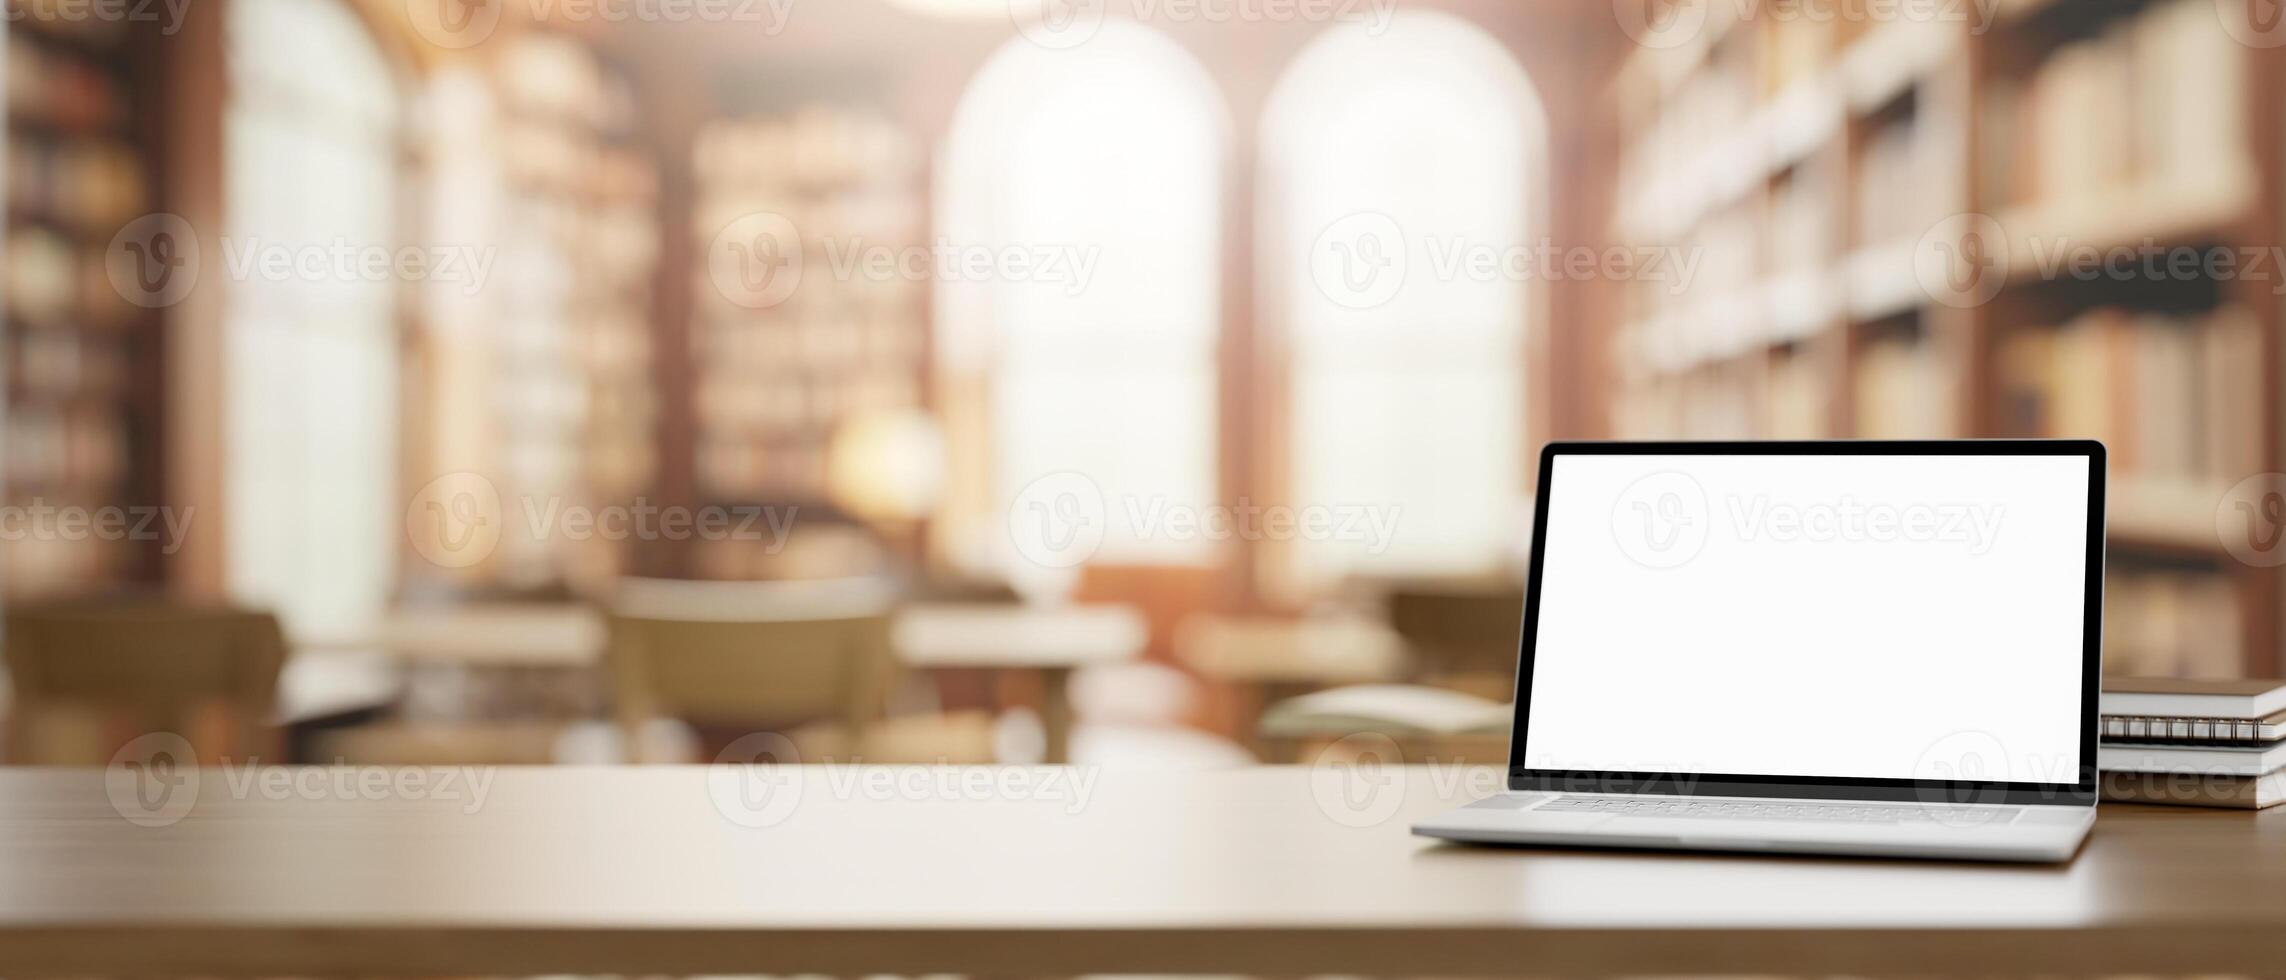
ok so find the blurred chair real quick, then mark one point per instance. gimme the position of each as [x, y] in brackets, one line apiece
[208, 673]
[1462, 634]
[810, 660]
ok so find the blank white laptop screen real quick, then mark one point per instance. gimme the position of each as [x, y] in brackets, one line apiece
[1873, 616]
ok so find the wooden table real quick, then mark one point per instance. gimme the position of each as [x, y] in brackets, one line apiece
[1265, 871]
[561, 634]
[1051, 641]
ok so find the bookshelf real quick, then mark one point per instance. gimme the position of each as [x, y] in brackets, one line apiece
[82, 410]
[574, 398]
[778, 375]
[543, 379]
[1813, 160]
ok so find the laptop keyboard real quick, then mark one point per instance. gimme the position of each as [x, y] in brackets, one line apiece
[1684, 807]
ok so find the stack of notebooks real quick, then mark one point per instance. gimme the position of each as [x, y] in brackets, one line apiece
[2202, 743]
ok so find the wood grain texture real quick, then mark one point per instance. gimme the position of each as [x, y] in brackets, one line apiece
[637, 870]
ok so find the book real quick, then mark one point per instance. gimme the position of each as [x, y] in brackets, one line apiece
[2177, 697]
[2185, 789]
[2145, 729]
[2200, 760]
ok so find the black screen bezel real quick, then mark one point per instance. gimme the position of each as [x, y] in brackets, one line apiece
[2082, 792]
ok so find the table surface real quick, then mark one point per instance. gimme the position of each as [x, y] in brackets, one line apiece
[980, 635]
[1305, 651]
[1280, 870]
[925, 635]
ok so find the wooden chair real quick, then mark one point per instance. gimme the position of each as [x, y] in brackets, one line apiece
[207, 673]
[809, 659]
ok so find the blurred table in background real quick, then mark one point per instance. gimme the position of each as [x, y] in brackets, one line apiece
[497, 635]
[1269, 660]
[516, 663]
[1050, 641]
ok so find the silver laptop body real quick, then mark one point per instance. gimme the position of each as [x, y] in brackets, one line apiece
[1862, 648]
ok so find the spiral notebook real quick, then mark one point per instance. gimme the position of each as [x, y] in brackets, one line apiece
[2156, 728]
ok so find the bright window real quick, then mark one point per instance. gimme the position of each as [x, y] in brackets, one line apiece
[1387, 159]
[1100, 167]
[310, 341]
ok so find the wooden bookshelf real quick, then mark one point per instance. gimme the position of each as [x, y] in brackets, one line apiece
[778, 373]
[81, 386]
[543, 380]
[1809, 161]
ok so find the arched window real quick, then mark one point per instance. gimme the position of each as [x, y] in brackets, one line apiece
[309, 330]
[1395, 166]
[1081, 191]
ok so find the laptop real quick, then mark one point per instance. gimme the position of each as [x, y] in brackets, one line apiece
[1869, 648]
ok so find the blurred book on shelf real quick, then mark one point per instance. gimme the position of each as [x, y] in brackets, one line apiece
[2172, 623]
[2079, 130]
[2166, 393]
[80, 404]
[776, 375]
[1903, 390]
[2157, 98]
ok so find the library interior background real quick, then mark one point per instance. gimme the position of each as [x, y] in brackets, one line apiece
[1112, 373]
